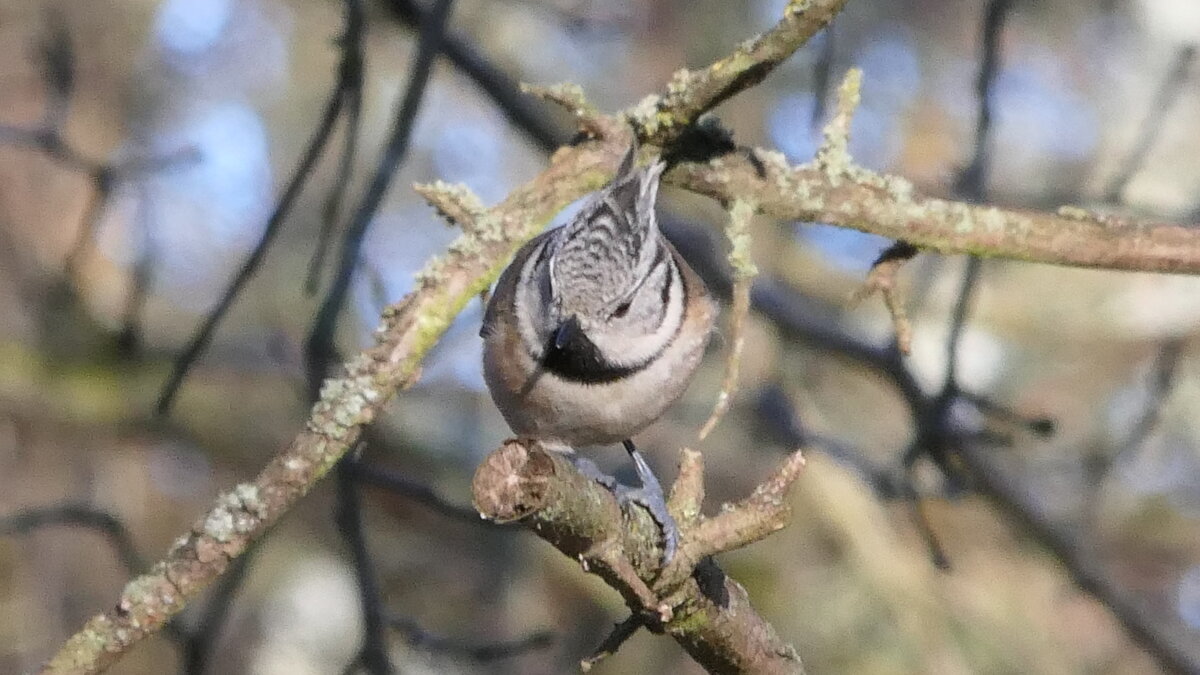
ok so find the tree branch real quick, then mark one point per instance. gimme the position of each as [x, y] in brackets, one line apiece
[859, 199]
[691, 600]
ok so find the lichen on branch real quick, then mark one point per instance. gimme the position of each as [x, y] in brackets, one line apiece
[690, 599]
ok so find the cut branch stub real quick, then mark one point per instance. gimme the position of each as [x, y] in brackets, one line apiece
[706, 612]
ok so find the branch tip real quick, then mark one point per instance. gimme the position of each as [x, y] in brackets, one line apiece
[453, 201]
[834, 155]
[882, 280]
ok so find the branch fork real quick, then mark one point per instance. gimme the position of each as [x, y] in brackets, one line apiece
[690, 598]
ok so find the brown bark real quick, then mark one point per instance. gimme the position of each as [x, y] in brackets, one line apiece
[706, 612]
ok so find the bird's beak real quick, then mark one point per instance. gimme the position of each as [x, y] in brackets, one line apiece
[568, 332]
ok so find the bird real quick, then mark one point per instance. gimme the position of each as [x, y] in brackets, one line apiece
[595, 328]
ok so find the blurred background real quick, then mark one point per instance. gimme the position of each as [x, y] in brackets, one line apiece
[1033, 509]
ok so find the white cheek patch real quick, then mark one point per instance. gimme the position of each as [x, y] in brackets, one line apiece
[528, 307]
[626, 343]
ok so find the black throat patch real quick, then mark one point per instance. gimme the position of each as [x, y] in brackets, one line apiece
[579, 360]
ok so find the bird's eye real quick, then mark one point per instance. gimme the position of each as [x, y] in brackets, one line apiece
[622, 309]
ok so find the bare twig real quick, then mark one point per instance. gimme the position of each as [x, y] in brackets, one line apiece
[57, 59]
[973, 179]
[744, 271]
[129, 338]
[396, 483]
[1162, 383]
[523, 112]
[420, 638]
[316, 147]
[1170, 647]
[1160, 107]
[822, 72]
[203, 638]
[319, 345]
[81, 515]
[350, 80]
[617, 637]
[882, 280]
[373, 653]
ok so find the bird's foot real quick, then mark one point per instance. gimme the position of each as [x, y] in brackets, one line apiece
[589, 469]
[656, 504]
[651, 497]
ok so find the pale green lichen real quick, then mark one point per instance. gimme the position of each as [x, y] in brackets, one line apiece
[648, 115]
[1074, 213]
[238, 511]
[795, 7]
[899, 189]
[346, 402]
[218, 525]
[490, 229]
[737, 229]
[248, 495]
[992, 219]
[833, 158]
[453, 201]
[741, 213]
[567, 94]
[680, 83]
[147, 596]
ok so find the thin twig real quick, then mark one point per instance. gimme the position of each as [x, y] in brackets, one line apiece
[319, 345]
[82, 515]
[386, 479]
[303, 172]
[23, 522]
[350, 79]
[1164, 101]
[129, 338]
[373, 653]
[882, 280]
[737, 229]
[420, 638]
[504, 91]
[973, 179]
[203, 639]
[621, 632]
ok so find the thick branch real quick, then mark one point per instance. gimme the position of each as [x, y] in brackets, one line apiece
[708, 613]
[853, 197]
